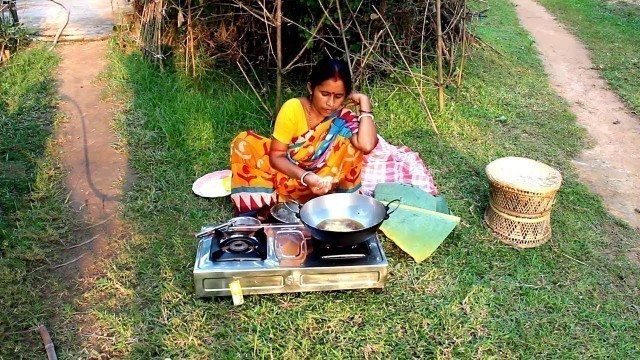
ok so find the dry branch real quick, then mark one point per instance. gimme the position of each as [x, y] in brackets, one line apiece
[423, 102]
[242, 32]
[439, 51]
[47, 342]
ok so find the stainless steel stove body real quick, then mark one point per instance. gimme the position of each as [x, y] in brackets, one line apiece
[276, 258]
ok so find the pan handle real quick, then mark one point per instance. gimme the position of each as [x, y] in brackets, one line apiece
[212, 230]
[290, 209]
[387, 208]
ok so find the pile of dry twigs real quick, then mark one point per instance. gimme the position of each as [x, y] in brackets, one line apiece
[377, 38]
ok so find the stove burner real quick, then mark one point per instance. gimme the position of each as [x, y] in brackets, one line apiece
[328, 252]
[239, 245]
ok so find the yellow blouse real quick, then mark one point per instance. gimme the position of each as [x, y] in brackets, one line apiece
[290, 122]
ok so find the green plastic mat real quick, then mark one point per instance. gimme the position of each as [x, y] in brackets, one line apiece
[420, 223]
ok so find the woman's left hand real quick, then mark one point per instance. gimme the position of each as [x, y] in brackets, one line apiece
[366, 138]
[356, 98]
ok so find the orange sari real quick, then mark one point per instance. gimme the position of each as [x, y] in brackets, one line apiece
[325, 149]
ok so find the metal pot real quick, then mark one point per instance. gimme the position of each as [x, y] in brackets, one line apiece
[285, 212]
[365, 210]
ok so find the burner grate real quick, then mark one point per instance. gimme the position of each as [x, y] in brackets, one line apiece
[239, 245]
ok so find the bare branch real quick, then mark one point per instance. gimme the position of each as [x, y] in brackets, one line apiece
[236, 3]
[344, 39]
[313, 35]
[254, 89]
[423, 102]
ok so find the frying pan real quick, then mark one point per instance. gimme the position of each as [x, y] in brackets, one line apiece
[353, 207]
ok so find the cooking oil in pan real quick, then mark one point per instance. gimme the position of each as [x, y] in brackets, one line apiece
[340, 224]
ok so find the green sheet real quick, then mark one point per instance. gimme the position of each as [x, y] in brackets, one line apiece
[421, 222]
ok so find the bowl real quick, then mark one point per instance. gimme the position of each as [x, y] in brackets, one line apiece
[282, 214]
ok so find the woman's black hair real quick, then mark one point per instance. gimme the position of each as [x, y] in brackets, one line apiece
[331, 69]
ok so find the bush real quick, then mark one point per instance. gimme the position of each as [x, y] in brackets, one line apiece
[377, 33]
[12, 37]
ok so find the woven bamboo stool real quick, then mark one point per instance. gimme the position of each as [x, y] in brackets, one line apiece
[521, 194]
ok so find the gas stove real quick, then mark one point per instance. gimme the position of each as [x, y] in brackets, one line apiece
[279, 258]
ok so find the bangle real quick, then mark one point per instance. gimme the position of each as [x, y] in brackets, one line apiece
[365, 115]
[366, 112]
[303, 175]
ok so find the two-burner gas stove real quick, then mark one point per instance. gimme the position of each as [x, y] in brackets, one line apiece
[279, 258]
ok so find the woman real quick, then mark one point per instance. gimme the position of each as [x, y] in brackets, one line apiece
[317, 145]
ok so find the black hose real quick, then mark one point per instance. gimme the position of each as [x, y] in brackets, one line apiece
[11, 7]
[13, 11]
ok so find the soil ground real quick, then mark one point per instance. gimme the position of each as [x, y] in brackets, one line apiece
[611, 168]
[96, 171]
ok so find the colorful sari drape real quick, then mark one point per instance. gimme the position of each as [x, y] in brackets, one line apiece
[325, 149]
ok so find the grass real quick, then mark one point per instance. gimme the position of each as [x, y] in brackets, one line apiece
[475, 297]
[610, 30]
[34, 218]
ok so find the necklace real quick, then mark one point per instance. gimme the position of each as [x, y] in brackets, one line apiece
[311, 121]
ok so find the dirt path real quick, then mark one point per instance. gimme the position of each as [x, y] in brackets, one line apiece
[612, 167]
[97, 172]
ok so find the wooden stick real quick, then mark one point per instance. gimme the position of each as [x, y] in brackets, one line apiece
[488, 45]
[67, 263]
[278, 55]
[422, 33]
[158, 32]
[48, 343]
[82, 243]
[186, 46]
[440, 44]
[94, 225]
[265, 13]
[193, 52]
[463, 57]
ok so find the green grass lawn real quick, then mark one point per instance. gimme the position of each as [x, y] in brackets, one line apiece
[611, 30]
[34, 219]
[575, 297]
[475, 297]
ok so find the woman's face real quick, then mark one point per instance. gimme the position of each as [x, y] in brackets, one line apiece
[328, 96]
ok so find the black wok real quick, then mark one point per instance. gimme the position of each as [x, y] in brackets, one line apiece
[355, 207]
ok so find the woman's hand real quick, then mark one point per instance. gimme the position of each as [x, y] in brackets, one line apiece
[318, 185]
[356, 98]
[366, 138]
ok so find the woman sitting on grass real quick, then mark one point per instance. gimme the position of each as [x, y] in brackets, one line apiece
[317, 145]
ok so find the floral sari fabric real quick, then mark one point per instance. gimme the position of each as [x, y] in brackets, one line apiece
[325, 150]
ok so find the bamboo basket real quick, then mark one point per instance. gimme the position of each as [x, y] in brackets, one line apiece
[522, 187]
[519, 232]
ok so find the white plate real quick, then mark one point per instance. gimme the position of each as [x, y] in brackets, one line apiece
[215, 184]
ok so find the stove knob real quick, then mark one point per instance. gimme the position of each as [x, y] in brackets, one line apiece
[289, 280]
